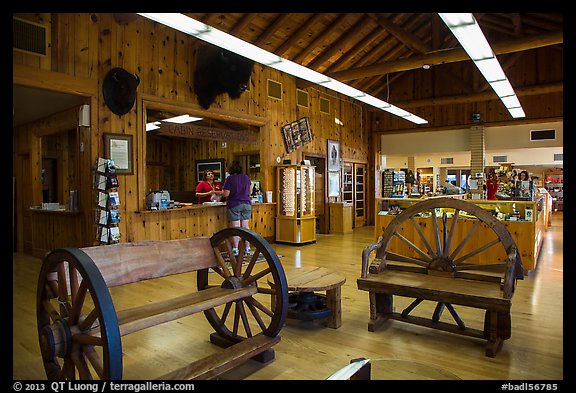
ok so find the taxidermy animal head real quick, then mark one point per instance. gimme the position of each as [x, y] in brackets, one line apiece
[119, 88]
[220, 71]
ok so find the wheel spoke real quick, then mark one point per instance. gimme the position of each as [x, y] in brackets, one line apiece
[257, 276]
[221, 263]
[477, 251]
[260, 306]
[267, 291]
[391, 256]
[52, 313]
[251, 264]
[225, 313]
[466, 239]
[89, 320]
[236, 320]
[63, 290]
[73, 274]
[452, 230]
[239, 258]
[413, 246]
[68, 370]
[436, 232]
[255, 313]
[78, 302]
[94, 359]
[242, 312]
[87, 339]
[421, 234]
[80, 363]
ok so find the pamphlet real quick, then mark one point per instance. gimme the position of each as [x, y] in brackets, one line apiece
[114, 198]
[103, 217]
[102, 199]
[115, 234]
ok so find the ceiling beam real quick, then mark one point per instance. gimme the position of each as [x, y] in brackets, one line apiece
[484, 96]
[410, 40]
[448, 56]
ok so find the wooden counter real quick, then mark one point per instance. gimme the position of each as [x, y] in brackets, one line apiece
[341, 215]
[196, 220]
[53, 229]
[528, 235]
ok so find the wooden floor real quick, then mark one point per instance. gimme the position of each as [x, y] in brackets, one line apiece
[310, 351]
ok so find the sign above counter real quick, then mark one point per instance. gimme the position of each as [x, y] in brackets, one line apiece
[194, 131]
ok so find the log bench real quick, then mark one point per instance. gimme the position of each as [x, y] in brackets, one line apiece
[80, 330]
[435, 270]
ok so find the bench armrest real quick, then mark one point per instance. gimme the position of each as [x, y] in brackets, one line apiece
[366, 257]
[514, 271]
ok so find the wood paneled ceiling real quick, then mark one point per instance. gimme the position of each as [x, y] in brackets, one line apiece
[375, 51]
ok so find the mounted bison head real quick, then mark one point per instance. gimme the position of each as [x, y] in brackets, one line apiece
[220, 71]
[119, 89]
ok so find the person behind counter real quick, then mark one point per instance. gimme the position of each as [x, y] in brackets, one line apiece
[492, 185]
[523, 176]
[208, 190]
[237, 190]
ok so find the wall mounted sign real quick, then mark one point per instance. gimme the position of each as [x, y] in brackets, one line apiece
[296, 134]
[210, 133]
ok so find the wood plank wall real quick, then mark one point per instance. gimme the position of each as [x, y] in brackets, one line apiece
[84, 47]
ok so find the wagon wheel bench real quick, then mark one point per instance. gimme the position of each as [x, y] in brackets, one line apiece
[80, 331]
[434, 269]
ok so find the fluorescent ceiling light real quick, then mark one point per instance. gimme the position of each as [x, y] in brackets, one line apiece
[466, 29]
[152, 126]
[182, 119]
[224, 40]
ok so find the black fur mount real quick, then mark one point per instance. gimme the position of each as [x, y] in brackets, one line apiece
[220, 71]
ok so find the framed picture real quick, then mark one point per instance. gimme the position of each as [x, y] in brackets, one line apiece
[118, 147]
[333, 156]
[287, 137]
[215, 165]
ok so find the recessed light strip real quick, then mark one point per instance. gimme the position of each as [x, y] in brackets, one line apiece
[467, 31]
[224, 40]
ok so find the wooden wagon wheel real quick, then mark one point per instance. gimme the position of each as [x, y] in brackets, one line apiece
[263, 312]
[77, 325]
[438, 251]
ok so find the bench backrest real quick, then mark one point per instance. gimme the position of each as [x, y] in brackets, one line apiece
[125, 263]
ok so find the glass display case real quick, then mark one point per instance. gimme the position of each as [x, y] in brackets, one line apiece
[525, 220]
[295, 219]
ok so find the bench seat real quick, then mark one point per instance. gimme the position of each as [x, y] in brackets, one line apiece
[471, 293]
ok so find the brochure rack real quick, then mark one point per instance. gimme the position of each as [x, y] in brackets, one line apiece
[108, 202]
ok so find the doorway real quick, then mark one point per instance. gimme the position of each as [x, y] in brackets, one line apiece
[320, 204]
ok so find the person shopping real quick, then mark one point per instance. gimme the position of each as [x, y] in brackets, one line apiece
[208, 190]
[492, 185]
[237, 190]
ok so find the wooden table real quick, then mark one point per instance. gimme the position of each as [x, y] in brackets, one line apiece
[313, 279]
